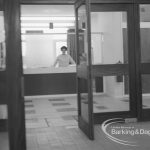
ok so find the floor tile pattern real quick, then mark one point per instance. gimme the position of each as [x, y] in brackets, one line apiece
[47, 128]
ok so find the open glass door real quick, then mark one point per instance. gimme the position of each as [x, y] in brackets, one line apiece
[113, 61]
[85, 103]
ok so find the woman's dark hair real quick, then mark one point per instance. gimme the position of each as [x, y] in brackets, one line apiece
[63, 47]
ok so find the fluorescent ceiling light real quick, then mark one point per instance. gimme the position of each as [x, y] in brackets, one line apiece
[34, 24]
[46, 25]
[48, 18]
[58, 30]
[63, 24]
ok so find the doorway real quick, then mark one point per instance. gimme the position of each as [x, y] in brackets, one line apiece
[129, 73]
[110, 57]
[50, 91]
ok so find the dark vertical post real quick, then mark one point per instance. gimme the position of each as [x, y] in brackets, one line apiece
[138, 56]
[90, 92]
[14, 73]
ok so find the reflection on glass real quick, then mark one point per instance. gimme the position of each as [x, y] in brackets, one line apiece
[146, 91]
[145, 33]
[2, 42]
[82, 39]
[83, 61]
[145, 51]
[4, 144]
[84, 99]
[110, 94]
[109, 37]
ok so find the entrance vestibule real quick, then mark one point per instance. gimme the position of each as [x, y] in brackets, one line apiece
[114, 51]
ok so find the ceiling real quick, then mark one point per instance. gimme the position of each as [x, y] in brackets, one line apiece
[39, 17]
[47, 10]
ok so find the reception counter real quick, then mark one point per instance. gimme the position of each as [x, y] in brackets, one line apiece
[50, 70]
[50, 81]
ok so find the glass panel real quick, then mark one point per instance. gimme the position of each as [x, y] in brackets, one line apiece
[83, 61]
[2, 43]
[84, 99]
[145, 52]
[83, 52]
[109, 37]
[4, 140]
[110, 46]
[110, 94]
[145, 33]
[146, 91]
[45, 29]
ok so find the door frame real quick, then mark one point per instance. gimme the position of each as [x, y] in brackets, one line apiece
[14, 69]
[14, 74]
[1, 5]
[122, 69]
[86, 127]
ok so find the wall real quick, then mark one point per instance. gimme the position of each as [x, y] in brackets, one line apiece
[1, 27]
[3, 107]
[110, 24]
[40, 50]
[2, 41]
[96, 38]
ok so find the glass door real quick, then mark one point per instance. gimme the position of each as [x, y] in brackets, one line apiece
[112, 54]
[145, 59]
[85, 103]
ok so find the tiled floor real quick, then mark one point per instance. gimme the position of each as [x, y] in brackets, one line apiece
[51, 124]
[105, 103]
[4, 141]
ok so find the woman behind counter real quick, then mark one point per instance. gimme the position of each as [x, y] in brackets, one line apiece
[64, 59]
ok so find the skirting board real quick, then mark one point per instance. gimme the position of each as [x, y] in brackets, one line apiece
[54, 96]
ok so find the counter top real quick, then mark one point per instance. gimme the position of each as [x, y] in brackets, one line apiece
[50, 70]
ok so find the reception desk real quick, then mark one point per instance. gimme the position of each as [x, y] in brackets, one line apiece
[50, 81]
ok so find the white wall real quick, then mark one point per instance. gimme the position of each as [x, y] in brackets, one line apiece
[96, 38]
[2, 41]
[110, 24]
[2, 35]
[3, 108]
[40, 50]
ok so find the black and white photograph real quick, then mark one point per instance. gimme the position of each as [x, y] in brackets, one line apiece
[74, 74]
